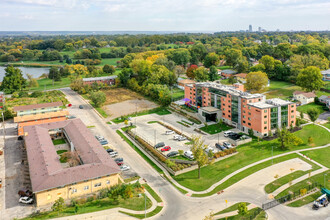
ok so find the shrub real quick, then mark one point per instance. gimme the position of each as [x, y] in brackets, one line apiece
[22, 94]
[36, 94]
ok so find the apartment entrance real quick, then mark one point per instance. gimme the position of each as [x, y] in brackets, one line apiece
[209, 113]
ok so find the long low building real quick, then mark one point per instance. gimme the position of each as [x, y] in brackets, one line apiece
[92, 171]
[109, 80]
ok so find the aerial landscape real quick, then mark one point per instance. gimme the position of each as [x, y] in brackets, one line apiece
[169, 110]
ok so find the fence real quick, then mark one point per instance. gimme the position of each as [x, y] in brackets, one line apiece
[291, 196]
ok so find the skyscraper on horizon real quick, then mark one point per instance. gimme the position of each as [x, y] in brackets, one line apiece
[259, 29]
[250, 28]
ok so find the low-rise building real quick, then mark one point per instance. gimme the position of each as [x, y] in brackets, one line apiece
[38, 108]
[89, 170]
[304, 97]
[240, 109]
[326, 100]
[227, 73]
[183, 82]
[241, 77]
[109, 80]
[326, 75]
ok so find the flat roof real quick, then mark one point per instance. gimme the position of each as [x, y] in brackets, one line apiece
[278, 102]
[99, 78]
[46, 171]
[210, 109]
[229, 71]
[261, 105]
[37, 106]
[24, 118]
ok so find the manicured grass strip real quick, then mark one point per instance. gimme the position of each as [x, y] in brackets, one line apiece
[305, 183]
[306, 200]
[149, 214]
[178, 188]
[231, 208]
[152, 122]
[158, 111]
[320, 155]
[271, 187]
[131, 179]
[109, 122]
[91, 126]
[215, 128]
[184, 124]
[60, 151]
[245, 173]
[239, 217]
[102, 112]
[139, 152]
[152, 192]
[189, 123]
[59, 141]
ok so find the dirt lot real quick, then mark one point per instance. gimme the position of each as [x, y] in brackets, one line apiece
[119, 95]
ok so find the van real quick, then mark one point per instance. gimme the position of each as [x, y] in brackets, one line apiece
[161, 144]
[227, 133]
[189, 154]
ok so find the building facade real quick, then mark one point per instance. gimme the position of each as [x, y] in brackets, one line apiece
[240, 109]
[38, 108]
[304, 97]
[109, 80]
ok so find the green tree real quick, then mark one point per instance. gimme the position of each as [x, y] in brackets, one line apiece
[285, 138]
[242, 209]
[213, 73]
[198, 149]
[201, 74]
[58, 205]
[109, 69]
[233, 57]
[164, 96]
[13, 80]
[124, 76]
[54, 74]
[98, 98]
[313, 114]
[310, 79]
[256, 81]
[180, 56]
[211, 59]
[142, 68]
[268, 62]
[232, 80]
[198, 51]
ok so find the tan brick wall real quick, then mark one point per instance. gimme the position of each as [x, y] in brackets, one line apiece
[76, 190]
[21, 125]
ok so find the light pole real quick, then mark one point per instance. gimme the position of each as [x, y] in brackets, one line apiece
[4, 130]
[324, 179]
[145, 203]
[272, 155]
[155, 136]
[218, 137]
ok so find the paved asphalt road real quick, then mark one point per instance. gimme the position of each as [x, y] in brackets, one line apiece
[178, 206]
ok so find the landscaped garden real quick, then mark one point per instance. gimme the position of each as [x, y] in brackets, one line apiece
[248, 153]
[59, 141]
[215, 128]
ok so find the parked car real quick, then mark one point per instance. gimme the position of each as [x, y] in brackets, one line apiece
[227, 145]
[220, 147]
[207, 150]
[109, 150]
[161, 144]
[69, 105]
[189, 154]
[167, 148]
[169, 132]
[104, 142]
[124, 168]
[182, 138]
[227, 133]
[176, 137]
[172, 154]
[99, 137]
[120, 159]
[25, 200]
[25, 193]
[120, 163]
[81, 107]
[71, 117]
[113, 154]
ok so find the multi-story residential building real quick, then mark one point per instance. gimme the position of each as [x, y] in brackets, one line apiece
[38, 108]
[88, 170]
[240, 109]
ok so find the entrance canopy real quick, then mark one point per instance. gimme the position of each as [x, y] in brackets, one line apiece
[210, 109]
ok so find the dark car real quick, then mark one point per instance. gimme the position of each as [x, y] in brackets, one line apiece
[161, 144]
[25, 192]
[81, 107]
[220, 147]
[172, 154]
[120, 159]
[109, 150]
[104, 142]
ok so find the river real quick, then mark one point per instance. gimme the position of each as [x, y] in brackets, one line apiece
[35, 72]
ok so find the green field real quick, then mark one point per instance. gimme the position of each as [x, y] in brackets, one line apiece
[46, 84]
[305, 108]
[215, 128]
[321, 156]
[109, 61]
[273, 85]
[177, 93]
[248, 153]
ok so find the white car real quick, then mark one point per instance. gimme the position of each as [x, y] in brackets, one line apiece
[169, 132]
[227, 145]
[182, 138]
[207, 150]
[25, 200]
[189, 154]
[113, 154]
[227, 133]
[124, 168]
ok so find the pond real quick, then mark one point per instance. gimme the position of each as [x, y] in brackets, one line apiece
[34, 71]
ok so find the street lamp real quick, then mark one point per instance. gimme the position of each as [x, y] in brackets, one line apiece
[145, 202]
[272, 155]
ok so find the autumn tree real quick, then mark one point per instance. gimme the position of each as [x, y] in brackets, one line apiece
[198, 149]
[201, 74]
[109, 69]
[32, 82]
[310, 79]
[256, 81]
[211, 59]
[191, 71]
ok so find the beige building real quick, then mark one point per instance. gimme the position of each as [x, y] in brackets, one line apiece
[304, 97]
[93, 169]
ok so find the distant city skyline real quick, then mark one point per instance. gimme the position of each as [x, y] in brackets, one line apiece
[166, 15]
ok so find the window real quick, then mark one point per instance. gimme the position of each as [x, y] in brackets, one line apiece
[229, 111]
[223, 109]
[249, 119]
[228, 106]
[265, 111]
[249, 107]
[292, 111]
[292, 106]
[250, 101]
[292, 116]
[74, 191]
[244, 106]
[244, 116]
[223, 114]
[243, 111]
[265, 116]
[86, 187]
[259, 100]
[108, 181]
[223, 104]
[265, 128]
[249, 123]
[243, 122]
[249, 113]
[265, 122]
[244, 100]
[97, 184]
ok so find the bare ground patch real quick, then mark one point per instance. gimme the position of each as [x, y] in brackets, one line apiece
[117, 95]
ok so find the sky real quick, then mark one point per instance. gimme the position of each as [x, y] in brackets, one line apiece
[163, 15]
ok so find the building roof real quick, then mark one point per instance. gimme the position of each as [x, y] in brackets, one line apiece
[37, 106]
[324, 97]
[24, 118]
[187, 81]
[242, 75]
[228, 71]
[210, 109]
[45, 168]
[325, 71]
[99, 78]
[261, 105]
[306, 94]
[278, 102]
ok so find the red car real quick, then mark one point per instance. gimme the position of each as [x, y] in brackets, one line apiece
[119, 163]
[167, 148]
[69, 105]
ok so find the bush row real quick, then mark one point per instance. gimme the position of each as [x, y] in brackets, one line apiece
[189, 117]
[225, 152]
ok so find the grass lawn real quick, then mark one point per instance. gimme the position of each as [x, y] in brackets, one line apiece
[224, 67]
[305, 108]
[149, 214]
[180, 157]
[327, 125]
[101, 111]
[320, 155]
[230, 208]
[175, 186]
[59, 141]
[139, 152]
[152, 193]
[109, 61]
[60, 151]
[135, 203]
[177, 93]
[46, 84]
[247, 154]
[158, 111]
[239, 217]
[306, 200]
[271, 187]
[305, 183]
[152, 122]
[215, 128]
[278, 85]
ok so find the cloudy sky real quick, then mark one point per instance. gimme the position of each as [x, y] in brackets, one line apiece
[163, 15]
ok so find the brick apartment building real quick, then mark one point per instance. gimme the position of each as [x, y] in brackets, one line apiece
[240, 109]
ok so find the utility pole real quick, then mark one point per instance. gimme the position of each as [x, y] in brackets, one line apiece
[272, 155]
[4, 130]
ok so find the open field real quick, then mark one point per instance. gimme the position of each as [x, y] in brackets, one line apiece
[248, 153]
[116, 95]
[321, 156]
[305, 108]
